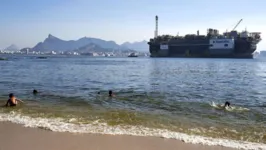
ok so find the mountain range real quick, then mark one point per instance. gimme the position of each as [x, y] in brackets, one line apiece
[52, 43]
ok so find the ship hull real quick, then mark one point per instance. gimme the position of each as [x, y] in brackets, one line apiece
[203, 49]
[249, 56]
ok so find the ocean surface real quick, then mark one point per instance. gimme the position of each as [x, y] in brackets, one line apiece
[163, 97]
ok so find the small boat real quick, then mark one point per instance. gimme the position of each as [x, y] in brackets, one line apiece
[133, 55]
[1, 58]
[41, 57]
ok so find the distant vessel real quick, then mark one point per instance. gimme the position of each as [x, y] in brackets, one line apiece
[261, 54]
[213, 45]
[133, 55]
[41, 57]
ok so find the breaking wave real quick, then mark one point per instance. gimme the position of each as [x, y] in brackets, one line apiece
[231, 108]
[99, 127]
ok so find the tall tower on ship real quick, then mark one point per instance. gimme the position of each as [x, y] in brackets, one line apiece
[156, 27]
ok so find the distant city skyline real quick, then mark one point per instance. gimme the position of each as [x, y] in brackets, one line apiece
[25, 23]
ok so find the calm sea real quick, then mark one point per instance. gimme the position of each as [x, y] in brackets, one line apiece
[165, 97]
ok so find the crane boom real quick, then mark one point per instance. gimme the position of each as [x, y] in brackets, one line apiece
[237, 24]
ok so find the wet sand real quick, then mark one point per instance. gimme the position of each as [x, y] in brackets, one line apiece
[17, 137]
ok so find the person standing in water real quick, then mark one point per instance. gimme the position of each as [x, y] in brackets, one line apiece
[12, 101]
[111, 93]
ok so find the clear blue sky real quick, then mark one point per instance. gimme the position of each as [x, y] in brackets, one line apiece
[26, 22]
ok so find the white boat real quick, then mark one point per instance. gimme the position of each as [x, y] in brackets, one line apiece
[133, 55]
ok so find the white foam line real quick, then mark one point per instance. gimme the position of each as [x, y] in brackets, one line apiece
[57, 125]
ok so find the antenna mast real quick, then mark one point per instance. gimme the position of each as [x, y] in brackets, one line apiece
[156, 27]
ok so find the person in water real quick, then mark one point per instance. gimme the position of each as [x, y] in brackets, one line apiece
[111, 93]
[226, 104]
[35, 92]
[12, 101]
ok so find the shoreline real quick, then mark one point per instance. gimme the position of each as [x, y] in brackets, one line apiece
[34, 138]
[57, 126]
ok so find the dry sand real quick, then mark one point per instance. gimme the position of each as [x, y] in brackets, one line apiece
[17, 137]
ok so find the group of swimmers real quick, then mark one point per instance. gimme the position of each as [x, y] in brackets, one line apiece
[13, 101]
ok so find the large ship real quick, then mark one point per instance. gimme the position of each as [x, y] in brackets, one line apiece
[231, 44]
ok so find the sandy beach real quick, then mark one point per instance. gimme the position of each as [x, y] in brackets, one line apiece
[14, 136]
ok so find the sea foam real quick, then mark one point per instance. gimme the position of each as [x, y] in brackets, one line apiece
[61, 125]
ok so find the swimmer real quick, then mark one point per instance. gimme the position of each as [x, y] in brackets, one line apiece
[226, 104]
[111, 93]
[12, 101]
[35, 92]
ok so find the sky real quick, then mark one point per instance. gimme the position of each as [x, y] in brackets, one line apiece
[27, 22]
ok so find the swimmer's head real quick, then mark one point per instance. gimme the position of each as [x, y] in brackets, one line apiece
[11, 95]
[34, 91]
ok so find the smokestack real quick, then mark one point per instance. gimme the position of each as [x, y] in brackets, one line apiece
[156, 27]
[198, 32]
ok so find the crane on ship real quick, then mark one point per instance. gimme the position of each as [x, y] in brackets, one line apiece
[237, 24]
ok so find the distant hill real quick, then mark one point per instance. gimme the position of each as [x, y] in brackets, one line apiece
[138, 46]
[52, 43]
[12, 47]
[91, 48]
